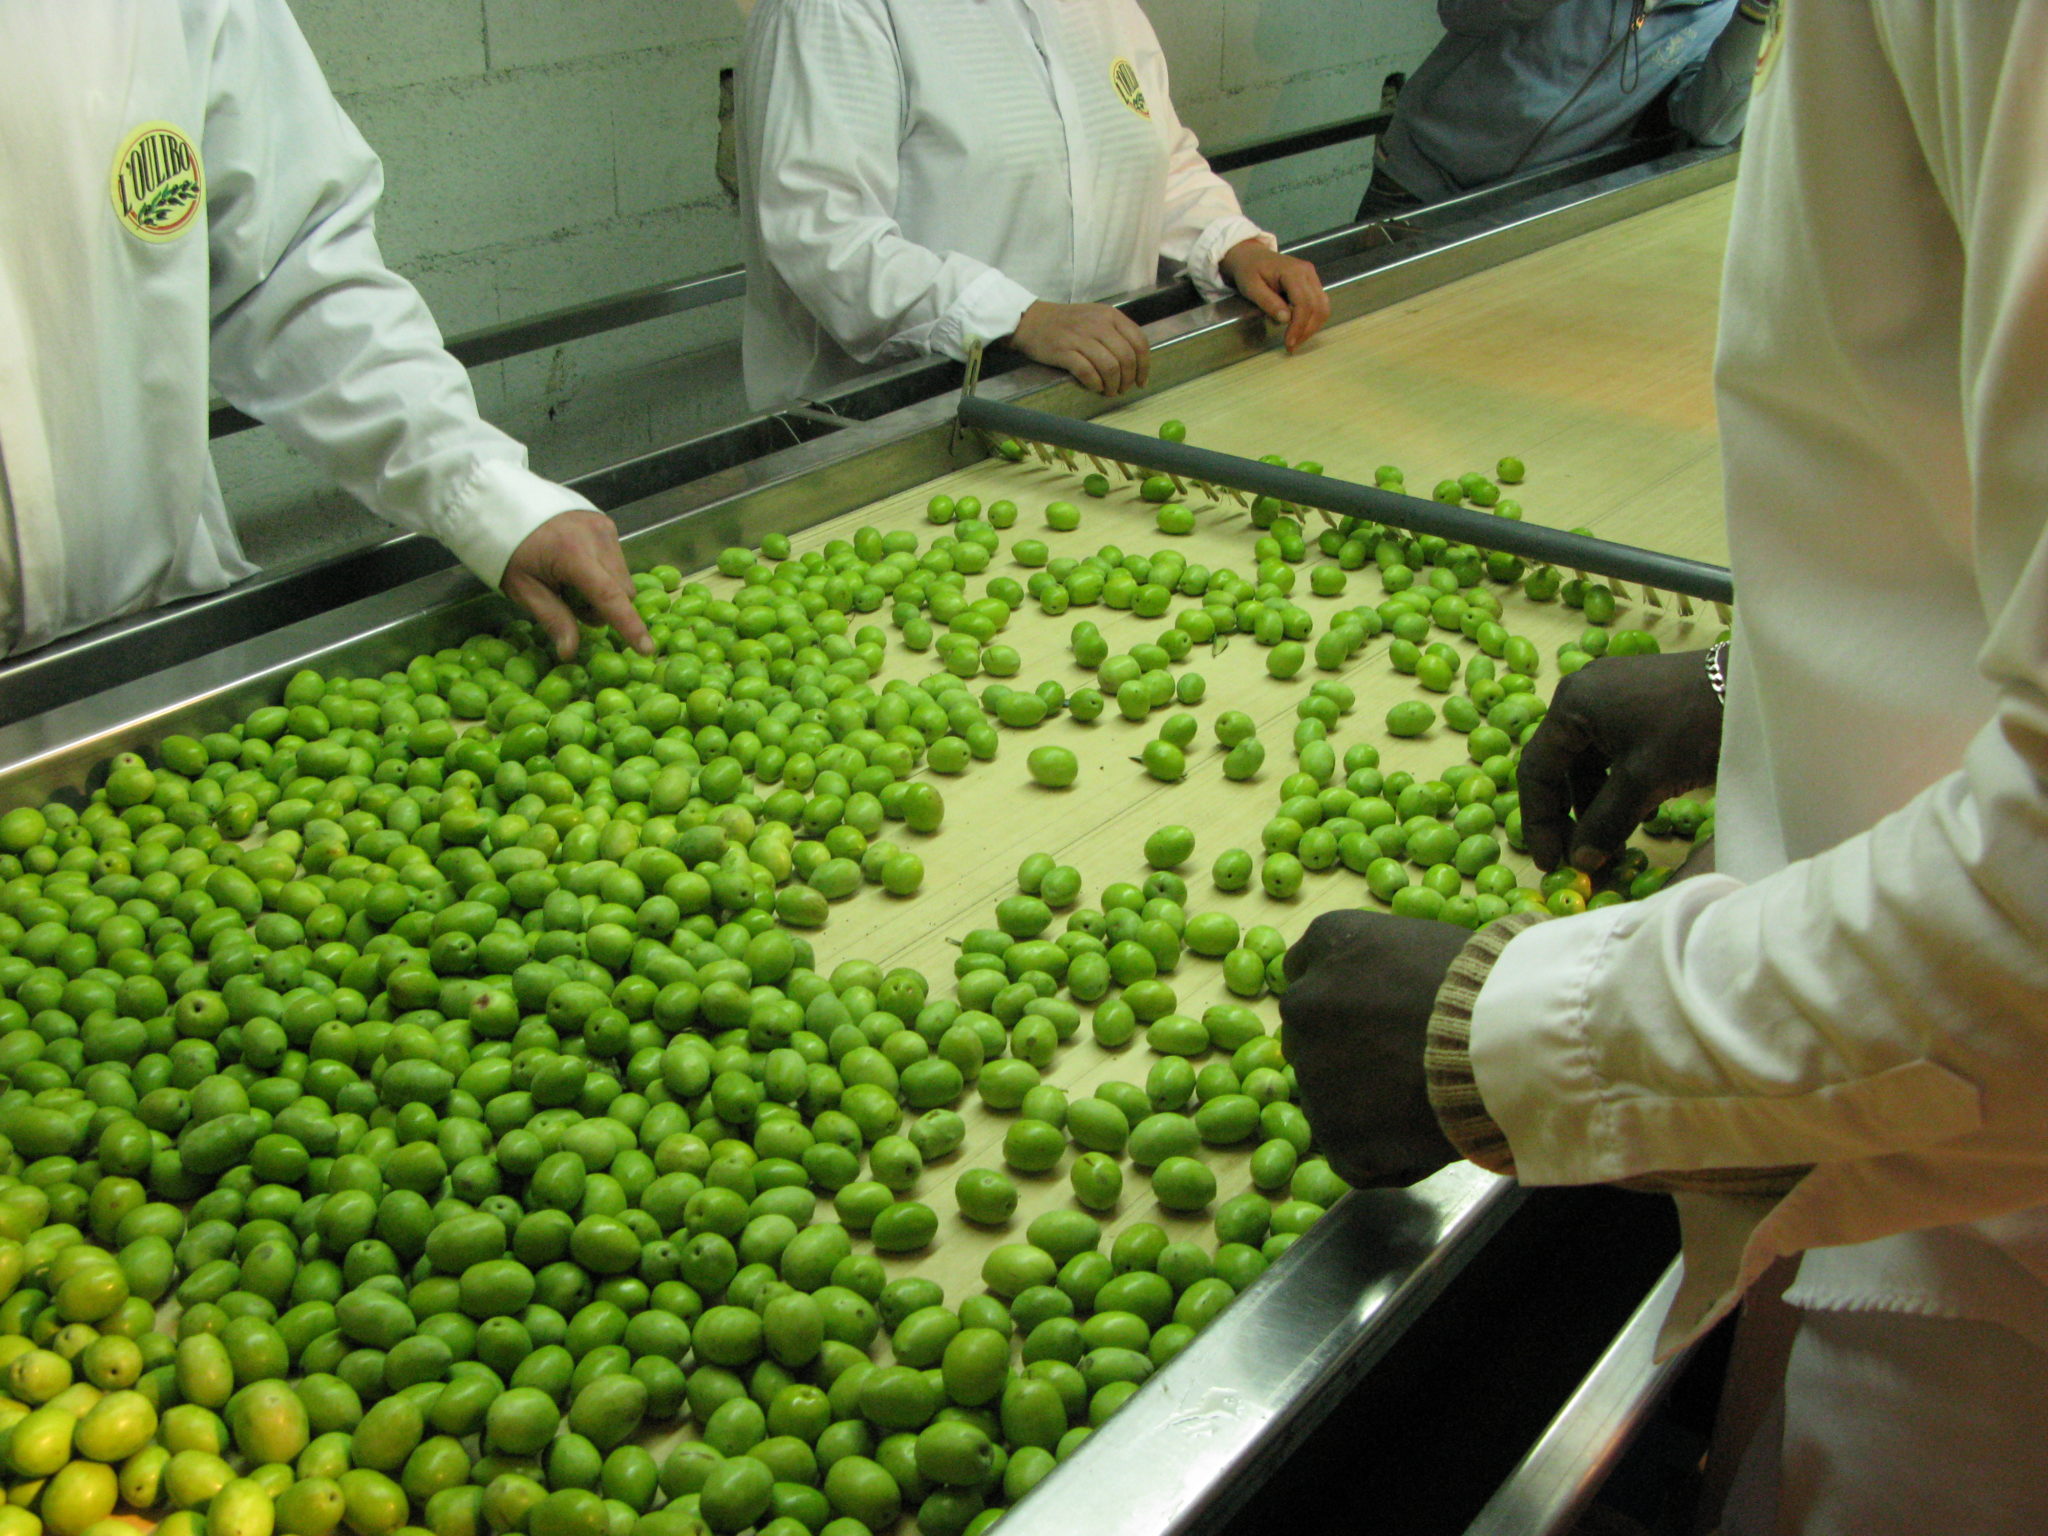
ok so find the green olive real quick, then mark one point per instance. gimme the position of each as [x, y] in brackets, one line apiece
[1184, 1184]
[1285, 659]
[1052, 767]
[1411, 717]
[985, 1196]
[1012, 1268]
[1032, 1146]
[1097, 1180]
[1164, 761]
[904, 1227]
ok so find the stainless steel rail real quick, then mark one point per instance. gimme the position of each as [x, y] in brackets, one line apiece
[1280, 146]
[1194, 1443]
[574, 322]
[1553, 1484]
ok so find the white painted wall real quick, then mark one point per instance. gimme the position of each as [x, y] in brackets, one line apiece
[542, 153]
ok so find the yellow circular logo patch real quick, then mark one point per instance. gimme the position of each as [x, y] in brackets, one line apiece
[1123, 74]
[158, 184]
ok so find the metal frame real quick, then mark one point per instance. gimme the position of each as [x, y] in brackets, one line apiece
[73, 703]
[1366, 266]
[1553, 1484]
[1209, 1426]
[1302, 141]
[577, 322]
[1214, 1424]
[558, 326]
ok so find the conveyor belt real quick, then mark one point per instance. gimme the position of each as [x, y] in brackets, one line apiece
[1588, 360]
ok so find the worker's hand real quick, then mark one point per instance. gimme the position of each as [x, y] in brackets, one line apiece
[575, 553]
[1100, 346]
[1285, 287]
[1623, 735]
[1360, 989]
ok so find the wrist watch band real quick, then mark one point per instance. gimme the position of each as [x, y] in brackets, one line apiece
[1717, 669]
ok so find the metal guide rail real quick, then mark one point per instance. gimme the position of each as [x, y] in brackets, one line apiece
[1208, 469]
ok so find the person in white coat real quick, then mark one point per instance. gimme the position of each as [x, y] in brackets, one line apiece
[184, 202]
[1836, 1046]
[917, 175]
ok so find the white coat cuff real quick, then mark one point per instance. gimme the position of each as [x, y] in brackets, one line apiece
[1582, 1057]
[1205, 261]
[1530, 1057]
[499, 505]
[988, 310]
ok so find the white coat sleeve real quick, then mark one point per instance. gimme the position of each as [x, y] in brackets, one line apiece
[314, 335]
[1203, 218]
[1879, 1010]
[822, 94]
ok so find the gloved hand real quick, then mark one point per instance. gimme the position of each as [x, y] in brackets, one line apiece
[1353, 1020]
[1622, 736]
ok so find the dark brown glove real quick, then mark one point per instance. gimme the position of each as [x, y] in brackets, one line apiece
[1622, 736]
[1353, 1020]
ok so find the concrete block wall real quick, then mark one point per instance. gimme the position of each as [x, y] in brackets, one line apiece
[1248, 69]
[543, 153]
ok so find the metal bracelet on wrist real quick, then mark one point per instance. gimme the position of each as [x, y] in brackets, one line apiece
[1717, 670]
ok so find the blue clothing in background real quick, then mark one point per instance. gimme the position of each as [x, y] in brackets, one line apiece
[1516, 85]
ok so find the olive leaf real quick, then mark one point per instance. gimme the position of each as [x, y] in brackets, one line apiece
[166, 201]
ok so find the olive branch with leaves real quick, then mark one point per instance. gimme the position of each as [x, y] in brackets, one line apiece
[166, 202]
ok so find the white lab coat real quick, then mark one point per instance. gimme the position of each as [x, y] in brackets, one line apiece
[1864, 987]
[915, 173]
[273, 285]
